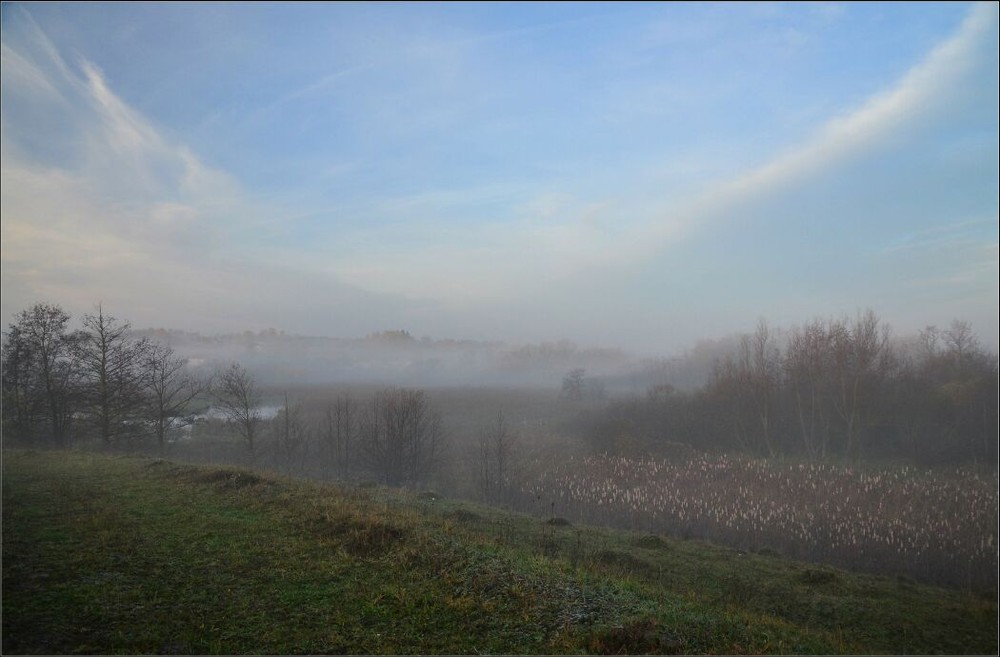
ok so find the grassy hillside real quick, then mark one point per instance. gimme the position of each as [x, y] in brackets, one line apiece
[126, 555]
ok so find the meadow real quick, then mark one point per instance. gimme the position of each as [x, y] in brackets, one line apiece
[932, 524]
[113, 554]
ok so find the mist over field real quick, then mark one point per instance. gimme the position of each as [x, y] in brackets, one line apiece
[395, 357]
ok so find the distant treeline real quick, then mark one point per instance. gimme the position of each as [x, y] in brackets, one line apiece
[830, 389]
[104, 384]
[392, 357]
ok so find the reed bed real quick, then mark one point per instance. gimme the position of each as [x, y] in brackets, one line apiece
[935, 525]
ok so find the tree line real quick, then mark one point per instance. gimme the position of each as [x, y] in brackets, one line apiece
[829, 389]
[95, 383]
[102, 384]
[395, 436]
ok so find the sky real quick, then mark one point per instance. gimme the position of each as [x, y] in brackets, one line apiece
[633, 175]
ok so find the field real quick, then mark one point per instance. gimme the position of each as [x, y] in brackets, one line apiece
[105, 554]
[933, 525]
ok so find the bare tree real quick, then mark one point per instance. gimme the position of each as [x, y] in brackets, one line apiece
[760, 360]
[401, 436]
[291, 438]
[172, 390]
[807, 368]
[962, 345]
[929, 340]
[239, 400]
[341, 431]
[730, 390]
[23, 405]
[496, 460]
[38, 373]
[750, 382]
[860, 356]
[572, 387]
[114, 380]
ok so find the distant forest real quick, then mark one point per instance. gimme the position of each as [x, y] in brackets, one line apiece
[831, 389]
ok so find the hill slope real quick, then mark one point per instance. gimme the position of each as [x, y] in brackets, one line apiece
[128, 555]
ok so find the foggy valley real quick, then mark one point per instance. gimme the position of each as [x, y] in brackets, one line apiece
[841, 402]
[611, 328]
[833, 443]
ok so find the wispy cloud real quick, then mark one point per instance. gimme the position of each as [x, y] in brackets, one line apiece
[970, 231]
[506, 257]
[317, 88]
[959, 256]
[430, 201]
[924, 91]
[20, 72]
[129, 216]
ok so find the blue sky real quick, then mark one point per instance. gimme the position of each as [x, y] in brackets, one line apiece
[634, 175]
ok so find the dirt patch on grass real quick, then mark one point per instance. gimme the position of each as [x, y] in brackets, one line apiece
[640, 637]
[621, 560]
[229, 479]
[372, 539]
[360, 537]
[172, 469]
[461, 515]
[650, 542]
[811, 576]
[558, 522]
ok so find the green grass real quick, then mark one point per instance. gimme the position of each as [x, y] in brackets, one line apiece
[127, 555]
